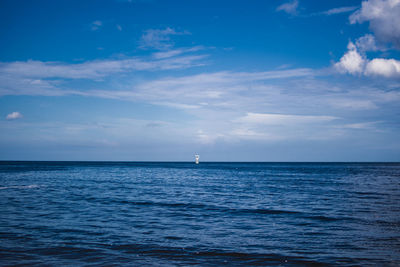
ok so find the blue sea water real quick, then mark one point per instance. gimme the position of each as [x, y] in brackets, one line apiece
[211, 214]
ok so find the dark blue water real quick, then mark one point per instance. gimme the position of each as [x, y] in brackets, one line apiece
[179, 214]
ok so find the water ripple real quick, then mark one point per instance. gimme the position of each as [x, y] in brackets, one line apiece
[212, 214]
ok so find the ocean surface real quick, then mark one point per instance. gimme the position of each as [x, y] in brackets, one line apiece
[211, 214]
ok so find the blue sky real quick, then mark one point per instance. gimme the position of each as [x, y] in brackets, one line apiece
[230, 80]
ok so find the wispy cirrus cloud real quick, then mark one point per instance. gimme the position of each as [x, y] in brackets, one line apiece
[159, 39]
[353, 103]
[96, 68]
[211, 88]
[252, 106]
[301, 89]
[96, 25]
[338, 10]
[176, 52]
[283, 119]
[273, 127]
[293, 6]
[289, 7]
[34, 77]
[360, 126]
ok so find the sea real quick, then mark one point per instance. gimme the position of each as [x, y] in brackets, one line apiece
[210, 214]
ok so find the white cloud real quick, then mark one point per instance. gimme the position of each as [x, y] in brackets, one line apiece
[94, 69]
[208, 138]
[14, 115]
[95, 25]
[159, 39]
[251, 134]
[351, 62]
[230, 93]
[338, 10]
[290, 7]
[177, 105]
[275, 127]
[210, 87]
[389, 68]
[231, 106]
[167, 54]
[35, 77]
[175, 52]
[203, 94]
[359, 126]
[367, 43]
[353, 104]
[283, 119]
[383, 17]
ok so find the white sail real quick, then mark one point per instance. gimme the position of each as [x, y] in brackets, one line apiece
[197, 158]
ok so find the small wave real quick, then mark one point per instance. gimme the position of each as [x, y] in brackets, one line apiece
[208, 207]
[19, 187]
[173, 238]
[322, 218]
[267, 211]
[244, 211]
[216, 256]
[235, 211]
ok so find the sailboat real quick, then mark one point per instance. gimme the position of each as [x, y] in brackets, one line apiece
[197, 158]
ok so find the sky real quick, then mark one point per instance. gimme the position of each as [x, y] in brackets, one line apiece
[154, 80]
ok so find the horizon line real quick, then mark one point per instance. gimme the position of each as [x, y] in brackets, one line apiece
[157, 161]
